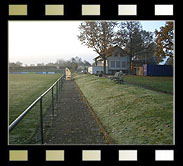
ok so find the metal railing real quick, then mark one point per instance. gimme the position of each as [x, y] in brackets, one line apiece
[59, 86]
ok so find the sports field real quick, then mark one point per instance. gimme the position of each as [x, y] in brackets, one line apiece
[23, 90]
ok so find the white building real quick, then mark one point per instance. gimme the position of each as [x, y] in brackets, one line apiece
[117, 60]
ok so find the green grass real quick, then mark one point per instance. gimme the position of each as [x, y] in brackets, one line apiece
[158, 83]
[130, 114]
[23, 90]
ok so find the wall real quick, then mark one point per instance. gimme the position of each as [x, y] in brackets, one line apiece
[139, 71]
[94, 69]
[120, 59]
[158, 70]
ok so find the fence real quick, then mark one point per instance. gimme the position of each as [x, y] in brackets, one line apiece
[59, 86]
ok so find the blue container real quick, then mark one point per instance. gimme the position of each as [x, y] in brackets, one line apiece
[157, 70]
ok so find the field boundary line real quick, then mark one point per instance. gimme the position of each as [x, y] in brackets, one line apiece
[109, 139]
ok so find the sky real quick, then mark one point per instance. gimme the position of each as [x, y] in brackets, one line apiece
[32, 42]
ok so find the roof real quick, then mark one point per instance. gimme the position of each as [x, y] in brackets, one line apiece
[110, 50]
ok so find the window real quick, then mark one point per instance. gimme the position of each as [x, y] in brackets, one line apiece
[123, 64]
[99, 63]
[112, 63]
[117, 63]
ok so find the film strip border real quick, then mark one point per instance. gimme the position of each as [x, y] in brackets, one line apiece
[24, 10]
[90, 10]
[90, 155]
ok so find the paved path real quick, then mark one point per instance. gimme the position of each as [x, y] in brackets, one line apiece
[73, 123]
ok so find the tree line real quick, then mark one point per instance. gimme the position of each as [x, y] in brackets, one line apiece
[74, 64]
[142, 46]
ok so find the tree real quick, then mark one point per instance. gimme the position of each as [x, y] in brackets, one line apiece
[74, 64]
[98, 35]
[74, 67]
[60, 62]
[127, 36]
[19, 63]
[165, 41]
[144, 52]
[136, 41]
[86, 63]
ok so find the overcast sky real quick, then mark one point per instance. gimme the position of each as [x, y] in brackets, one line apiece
[32, 42]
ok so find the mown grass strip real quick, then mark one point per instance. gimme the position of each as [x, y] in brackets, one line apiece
[106, 136]
[129, 114]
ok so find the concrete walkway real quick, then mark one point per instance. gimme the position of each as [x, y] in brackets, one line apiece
[73, 123]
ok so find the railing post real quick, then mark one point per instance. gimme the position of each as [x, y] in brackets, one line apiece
[23, 114]
[41, 121]
[61, 82]
[59, 86]
[57, 91]
[52, 102]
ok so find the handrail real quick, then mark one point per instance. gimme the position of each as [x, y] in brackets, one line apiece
[21, 116]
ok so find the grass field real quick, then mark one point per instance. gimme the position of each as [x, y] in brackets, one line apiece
[23, 90]
[158, 83]
[130, 114]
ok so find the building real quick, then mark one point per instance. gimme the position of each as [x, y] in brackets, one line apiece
[117, 60]
[139, 61]
[158, 70]
[139, 71]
